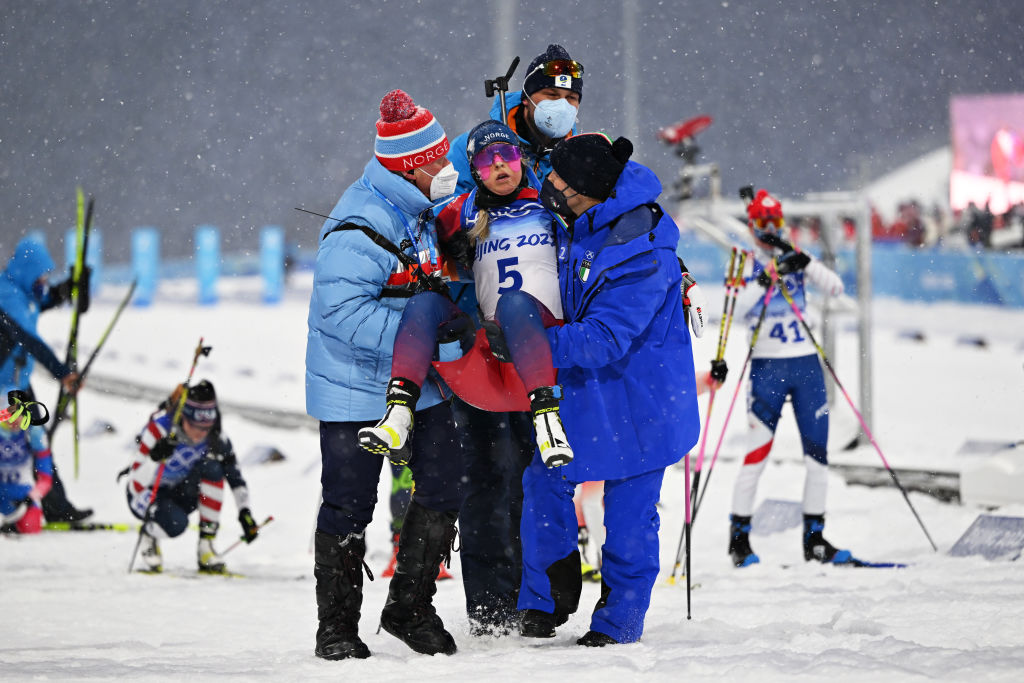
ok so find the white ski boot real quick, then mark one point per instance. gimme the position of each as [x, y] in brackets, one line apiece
[149, 551]
[391, 436]
[551, 439]
[209, 561]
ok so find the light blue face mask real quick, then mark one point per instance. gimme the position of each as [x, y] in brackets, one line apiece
[555, 118]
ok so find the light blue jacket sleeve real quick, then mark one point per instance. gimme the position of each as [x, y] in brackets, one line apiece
[350, 274]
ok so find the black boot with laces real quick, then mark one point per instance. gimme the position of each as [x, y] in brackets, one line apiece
[409, 615]
[338, 570]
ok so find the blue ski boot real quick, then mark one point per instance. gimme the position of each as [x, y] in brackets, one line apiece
[739, 542]
[817, 548]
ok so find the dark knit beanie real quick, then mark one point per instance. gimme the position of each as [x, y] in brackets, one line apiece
[201, 404]
[591, 163]
[537, 80]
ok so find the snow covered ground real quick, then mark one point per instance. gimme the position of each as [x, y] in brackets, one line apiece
[71, 610]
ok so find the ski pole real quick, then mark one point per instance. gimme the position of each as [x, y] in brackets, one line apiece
[733, 281]
[64, 399]
[687, 531]
[821, 352]
[200, 351]
[240, 541]
[700, 458]
[750, 352]
[83, 224]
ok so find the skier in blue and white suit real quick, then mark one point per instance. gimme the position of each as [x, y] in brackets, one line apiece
[360, 287]
[784, 364]
[630, 396]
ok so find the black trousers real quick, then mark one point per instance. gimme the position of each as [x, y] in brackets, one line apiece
[497, 448]
[350, 475]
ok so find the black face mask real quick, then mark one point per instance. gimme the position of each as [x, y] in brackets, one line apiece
[555, 200]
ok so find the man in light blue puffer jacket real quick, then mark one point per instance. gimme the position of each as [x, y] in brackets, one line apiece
[378, 249]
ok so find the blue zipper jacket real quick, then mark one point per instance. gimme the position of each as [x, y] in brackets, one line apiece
[624, 355]
[19, 313]
[351, 327]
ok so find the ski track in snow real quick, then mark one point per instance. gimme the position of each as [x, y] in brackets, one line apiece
[72, 611]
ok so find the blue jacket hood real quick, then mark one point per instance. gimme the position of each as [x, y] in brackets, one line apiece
[30, 261]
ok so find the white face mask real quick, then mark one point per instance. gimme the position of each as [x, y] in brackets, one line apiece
[555, 118]
[444, 183]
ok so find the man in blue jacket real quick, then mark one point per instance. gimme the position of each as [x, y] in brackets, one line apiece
[377, 250]
[25, 292]
[630, 400]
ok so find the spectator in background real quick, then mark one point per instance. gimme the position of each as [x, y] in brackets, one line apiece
[914, 233]
[979, 225]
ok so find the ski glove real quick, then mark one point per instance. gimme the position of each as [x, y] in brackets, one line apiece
[792, 262]
[457, 329]
[163, 449]
[61, 292]
[719, 370]
[460, 250]
[250, 529]
[432, 282]
[693, 303]
[496, 338]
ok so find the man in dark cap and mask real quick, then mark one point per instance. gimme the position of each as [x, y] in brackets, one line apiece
[542, 113]
[624, 326]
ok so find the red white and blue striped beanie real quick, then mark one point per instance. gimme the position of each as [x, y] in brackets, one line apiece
[407, 136]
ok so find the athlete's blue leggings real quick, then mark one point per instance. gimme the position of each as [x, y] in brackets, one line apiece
[429, 316]
[773, 379]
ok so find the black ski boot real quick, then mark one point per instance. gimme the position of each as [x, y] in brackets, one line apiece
[409, 615]
[57, 507]
[739, 542]
[537, 624]
[338, 570]
[566, 579]
[596, 639]
[815, 545]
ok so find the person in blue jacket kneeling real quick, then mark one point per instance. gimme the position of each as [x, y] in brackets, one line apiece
[629, 392]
